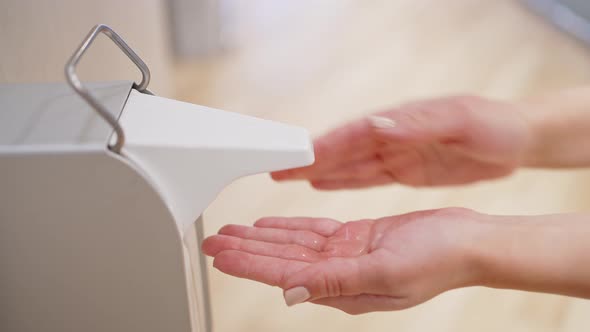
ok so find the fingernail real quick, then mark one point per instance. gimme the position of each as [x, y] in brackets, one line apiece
[296, 295]
[381, 122]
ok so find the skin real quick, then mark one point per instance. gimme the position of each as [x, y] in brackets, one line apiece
[400, 261]
[446, 141]
[358, 266]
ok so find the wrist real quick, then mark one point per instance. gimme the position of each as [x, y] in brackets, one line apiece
[502, 249]
[478, 250]
[544, 136]
[474, 248]
[492, 251]
[512, 252]
[534, 253]
[559, 127]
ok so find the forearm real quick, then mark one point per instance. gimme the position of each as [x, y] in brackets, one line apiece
[560, 126]
[548, 254]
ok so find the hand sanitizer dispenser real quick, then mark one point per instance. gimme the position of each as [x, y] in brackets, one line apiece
[101, 199]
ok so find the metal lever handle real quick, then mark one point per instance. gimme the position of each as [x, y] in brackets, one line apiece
[76, 84]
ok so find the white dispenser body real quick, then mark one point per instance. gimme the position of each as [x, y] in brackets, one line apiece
[91, 240]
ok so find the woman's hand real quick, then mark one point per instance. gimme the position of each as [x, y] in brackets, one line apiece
[446, 141]
[369, 265]
[400, 261]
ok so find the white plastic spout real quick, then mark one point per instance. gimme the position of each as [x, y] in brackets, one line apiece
[192, 152]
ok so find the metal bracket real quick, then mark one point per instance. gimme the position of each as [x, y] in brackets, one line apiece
[76, 84]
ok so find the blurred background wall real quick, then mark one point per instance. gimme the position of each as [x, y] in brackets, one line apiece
[38, 37]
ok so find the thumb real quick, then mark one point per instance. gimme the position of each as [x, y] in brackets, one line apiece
[437, 120]
[335, 277]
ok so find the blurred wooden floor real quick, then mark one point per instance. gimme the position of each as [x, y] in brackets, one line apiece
[320, 63]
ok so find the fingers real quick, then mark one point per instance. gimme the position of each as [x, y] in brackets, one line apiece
[322, 226]
[362, 169]
[340, 276]
[340, 143]
[377, 180]
[269, 262]
[276, 271]
[269, 270]
[360, 304]
[215, 244]
[374, 170]
[304, 238]
[323, 166]
[444, 120]
[345, 144]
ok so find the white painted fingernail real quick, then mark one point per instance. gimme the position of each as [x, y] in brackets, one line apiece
[296, 295]
[381, 122]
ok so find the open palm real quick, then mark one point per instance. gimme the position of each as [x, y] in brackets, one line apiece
[445, 141]
[368, 265]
